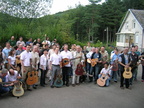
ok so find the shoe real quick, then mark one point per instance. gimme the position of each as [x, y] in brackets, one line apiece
[34, 87]
[142, 81]
[77, 83]
[67, 85]
[52, 86]
[115, 81]
[43, 85]
[122, 87]
[29, 89]
[129, 88]
[73, 85]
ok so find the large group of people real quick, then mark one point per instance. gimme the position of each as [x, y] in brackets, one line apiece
[17, 58]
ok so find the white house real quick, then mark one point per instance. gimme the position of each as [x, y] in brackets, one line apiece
[131, 31]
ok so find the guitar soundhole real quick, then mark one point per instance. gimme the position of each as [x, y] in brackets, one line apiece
[64, 61]
[103, 77]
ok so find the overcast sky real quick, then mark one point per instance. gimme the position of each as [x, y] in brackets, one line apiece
[62, 5]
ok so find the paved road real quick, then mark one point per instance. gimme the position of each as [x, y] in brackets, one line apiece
[85, 95]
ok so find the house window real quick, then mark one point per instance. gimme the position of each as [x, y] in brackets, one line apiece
[134, 23]
[126, 25]
[120, 38]
[136, 38]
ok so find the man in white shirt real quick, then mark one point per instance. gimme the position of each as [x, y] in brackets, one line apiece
[55, 60]
[77, 61]
[12, 76]
[106, 71]
[67, 68]
[26, 64]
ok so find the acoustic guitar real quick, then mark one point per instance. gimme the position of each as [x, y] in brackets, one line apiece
[30, 78]
[18, 90]
[2, 83]
[66, 61]
[58, 82]
[102, 80]
[115, 66]
[36, 72]
[79, 70]
[127, 73]
[93, 62]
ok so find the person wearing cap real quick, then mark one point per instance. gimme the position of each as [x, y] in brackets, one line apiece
[4, 88]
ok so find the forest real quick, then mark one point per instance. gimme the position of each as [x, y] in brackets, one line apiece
[78, 25]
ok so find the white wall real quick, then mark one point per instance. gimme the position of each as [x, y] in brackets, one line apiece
[129, 26]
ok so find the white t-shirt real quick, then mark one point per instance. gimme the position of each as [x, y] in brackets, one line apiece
[10, 78]
[26, 56]
[106, 71]
[12, 59]
[68, 55]
[55, 59]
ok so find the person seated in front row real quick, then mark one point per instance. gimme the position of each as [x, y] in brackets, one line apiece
[13, 76]
[4, 88]
[106, 71]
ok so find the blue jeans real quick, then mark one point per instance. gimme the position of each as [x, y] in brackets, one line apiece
[95, 69]
[107, 81]
[134, 71]
[114, 75]
[4, 89]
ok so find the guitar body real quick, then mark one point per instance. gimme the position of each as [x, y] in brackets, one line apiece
[102, 80]
[36, 76]
[65, 61]
[127, 73]
[79, 69]
[58, 82]
[18, 60]
[30, 79]
[115, 66]
[88, 60]
[94, 62]
[18, 90]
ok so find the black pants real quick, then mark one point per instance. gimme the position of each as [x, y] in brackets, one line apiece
[65, 72]
[122, 81]
[142, 72]
[43, 75]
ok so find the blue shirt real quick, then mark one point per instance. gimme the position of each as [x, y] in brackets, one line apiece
[6, 53]
[114, 57]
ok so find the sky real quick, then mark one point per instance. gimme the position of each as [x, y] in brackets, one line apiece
[62, 5]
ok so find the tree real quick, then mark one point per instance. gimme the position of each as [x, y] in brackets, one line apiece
[25, 8]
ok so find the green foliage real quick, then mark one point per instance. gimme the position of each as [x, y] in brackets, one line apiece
[79, 25]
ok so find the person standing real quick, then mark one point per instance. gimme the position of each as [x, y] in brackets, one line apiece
[67, 68]
[43, 67]
[12, 41]
[80, 60]
[114, 62]
[95, 69]
[55, 67]
[12, 59]
[6, 51]
[26, 64]
[142, 61]
[2, 57]
[20, 42]
[35, 60]
[124, 61]
[134, 63]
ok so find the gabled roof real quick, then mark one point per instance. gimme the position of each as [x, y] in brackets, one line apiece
[138, 14]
